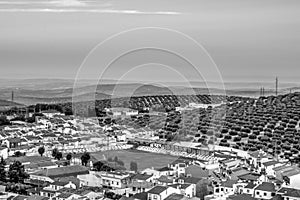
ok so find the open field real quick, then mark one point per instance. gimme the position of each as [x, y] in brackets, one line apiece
[143, 159]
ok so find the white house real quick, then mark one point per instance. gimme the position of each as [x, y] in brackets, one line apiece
[265, 190]
[290, 175]
[4, 152]
[257, 158]
[113, 180]
[91, 179]
[226, 189]
[161, 192]
[51, 113]
[57, 185]
[269, 166]
[249, 189]
[186, 189]
[164, 171]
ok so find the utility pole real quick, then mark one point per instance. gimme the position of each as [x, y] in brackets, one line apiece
[261, 92]
[276, 86]
[12, 96]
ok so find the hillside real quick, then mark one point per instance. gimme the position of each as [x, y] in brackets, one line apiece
[6, 105]
[30, 94]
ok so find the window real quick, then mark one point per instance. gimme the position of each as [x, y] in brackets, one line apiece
[265, 194]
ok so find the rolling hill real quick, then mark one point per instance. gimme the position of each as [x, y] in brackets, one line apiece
[60, 91]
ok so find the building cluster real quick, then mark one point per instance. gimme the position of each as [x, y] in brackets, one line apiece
[54, 130]
[255, 177]
[210, 173]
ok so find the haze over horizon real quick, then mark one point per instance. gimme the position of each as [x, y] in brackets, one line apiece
[250, 41]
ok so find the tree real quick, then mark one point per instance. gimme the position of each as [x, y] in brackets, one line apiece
[4, 121]
[116, 159]
[54, 152]
[16, 172]
[18, 154]
[69, 157]
[41, 150]
[121, 163]
[85, 158]
[98, 166]
[110, 159]
[2, 170]
[58, 155]
[133, 166]
[202, 188]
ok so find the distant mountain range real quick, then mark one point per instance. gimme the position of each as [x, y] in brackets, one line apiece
[32, 91]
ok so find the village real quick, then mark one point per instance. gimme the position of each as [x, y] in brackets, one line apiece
[61, 157]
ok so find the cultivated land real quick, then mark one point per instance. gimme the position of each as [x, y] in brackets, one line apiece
[143, 159]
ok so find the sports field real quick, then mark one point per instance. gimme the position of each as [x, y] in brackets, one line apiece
[143, 159]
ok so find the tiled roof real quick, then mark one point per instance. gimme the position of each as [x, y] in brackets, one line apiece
[241, 197]
[140, 196]
[141, 177]
[265, 186]
[270, 163]
[64, 195]
[249, 177]
[163, 169]
[63, 171]
[175, 197]
[229, 183]
[157, 190]
[290, 192]
[59, 183]
[251, 185]
[192, 180]
[165, 179]
[180, 186]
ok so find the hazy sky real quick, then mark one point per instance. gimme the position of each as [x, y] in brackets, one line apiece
[252, 40]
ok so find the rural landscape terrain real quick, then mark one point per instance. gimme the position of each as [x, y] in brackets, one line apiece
[149, 100]
[174, 132]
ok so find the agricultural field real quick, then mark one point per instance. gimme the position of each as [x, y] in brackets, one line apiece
[267, 123]
[143, 159]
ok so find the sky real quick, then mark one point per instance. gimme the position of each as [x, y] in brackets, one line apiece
[248, 40]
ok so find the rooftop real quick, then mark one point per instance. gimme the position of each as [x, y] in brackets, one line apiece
[175, 197]
[157, 190]
[265, 186]
[290, 192]
[73, 170]
[241, 196]
[142, 177]
[229, 183]
[270, 163]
